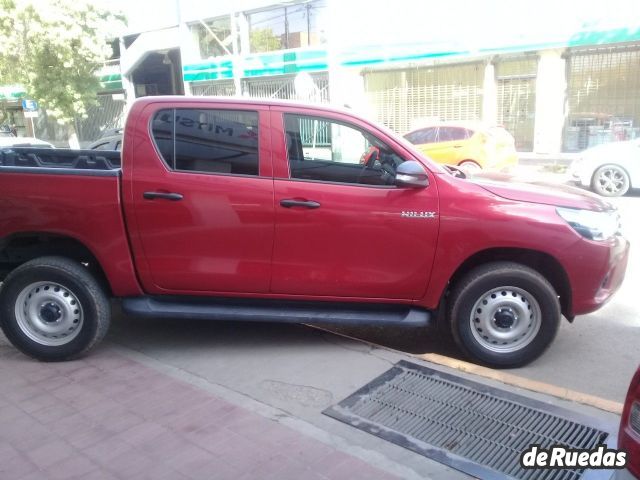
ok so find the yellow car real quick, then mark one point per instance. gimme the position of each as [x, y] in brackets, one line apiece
[471, 147]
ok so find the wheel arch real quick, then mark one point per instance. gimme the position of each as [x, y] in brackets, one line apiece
[470, 160]
[19, 248]
[545, 264]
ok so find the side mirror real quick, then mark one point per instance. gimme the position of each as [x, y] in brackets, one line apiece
[411, 174]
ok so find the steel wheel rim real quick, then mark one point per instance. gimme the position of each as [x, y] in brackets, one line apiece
[49, 313]
[505, 319]
[611, 180]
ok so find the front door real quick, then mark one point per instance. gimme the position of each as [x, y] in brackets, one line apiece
[343, 228]
[203, 200]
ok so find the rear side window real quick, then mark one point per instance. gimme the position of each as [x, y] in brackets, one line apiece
[448, 134]
[425, 135]
[208, 140]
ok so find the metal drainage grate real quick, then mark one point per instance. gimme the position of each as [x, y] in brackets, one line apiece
[472, 427]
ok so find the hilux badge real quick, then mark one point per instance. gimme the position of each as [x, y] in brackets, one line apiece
[414, 214]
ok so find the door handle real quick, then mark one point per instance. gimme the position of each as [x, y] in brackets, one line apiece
[163, 195]
[290, 202]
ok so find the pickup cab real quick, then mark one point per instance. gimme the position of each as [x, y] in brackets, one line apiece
[248, 210]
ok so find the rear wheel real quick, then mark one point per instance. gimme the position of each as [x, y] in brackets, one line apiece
[52, 309]
[504, 314]
[610, 181]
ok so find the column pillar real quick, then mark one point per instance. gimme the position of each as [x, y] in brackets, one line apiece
[551, 86]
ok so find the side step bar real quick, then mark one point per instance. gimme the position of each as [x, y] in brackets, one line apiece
[276, 311]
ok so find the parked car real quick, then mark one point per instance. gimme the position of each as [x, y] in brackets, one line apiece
[629, 433]
[107, 143]
[12, 141]
[470, 146]
[241, 209]
[610, 169]
[110, 140]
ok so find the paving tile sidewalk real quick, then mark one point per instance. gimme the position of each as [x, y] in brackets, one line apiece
[109, 417]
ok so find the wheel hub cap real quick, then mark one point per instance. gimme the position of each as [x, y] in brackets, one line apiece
[49, 313]
[505, 319]
[611, 180]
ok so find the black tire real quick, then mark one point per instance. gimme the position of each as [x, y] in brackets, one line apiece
[610, 181]
[76, 287]
[530, 295]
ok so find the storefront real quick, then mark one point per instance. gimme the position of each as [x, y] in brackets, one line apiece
[603, 95]
[11, 115]
[402, 99]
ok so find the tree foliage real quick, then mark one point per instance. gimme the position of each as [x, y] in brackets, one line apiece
[53, 48]
[264, 40]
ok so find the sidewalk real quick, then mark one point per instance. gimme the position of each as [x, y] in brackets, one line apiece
[178, 399]
[109, 417]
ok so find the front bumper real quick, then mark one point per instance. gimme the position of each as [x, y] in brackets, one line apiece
[597, 271]
[580, 173]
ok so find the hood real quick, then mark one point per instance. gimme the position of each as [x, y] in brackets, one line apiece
[538, 191]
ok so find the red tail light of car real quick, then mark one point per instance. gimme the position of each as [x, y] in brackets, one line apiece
[629, 436]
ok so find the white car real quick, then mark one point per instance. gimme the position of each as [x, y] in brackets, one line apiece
[11, 141]
[610, 169]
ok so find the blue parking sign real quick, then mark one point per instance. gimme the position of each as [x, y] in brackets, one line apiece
[29, 105]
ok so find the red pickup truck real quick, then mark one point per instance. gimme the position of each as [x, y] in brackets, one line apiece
[275, 211]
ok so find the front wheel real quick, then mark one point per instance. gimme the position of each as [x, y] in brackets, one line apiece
[504, 314]
[53, 309]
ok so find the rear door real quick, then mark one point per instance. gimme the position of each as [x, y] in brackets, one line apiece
[202, 197]
[343, 229]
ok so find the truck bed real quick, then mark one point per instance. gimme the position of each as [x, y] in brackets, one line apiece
[61, 161]
[71, 194]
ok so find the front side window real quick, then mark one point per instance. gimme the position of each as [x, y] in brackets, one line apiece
[208, 140]
[320, 149]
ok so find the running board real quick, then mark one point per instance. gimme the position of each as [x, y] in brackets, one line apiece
[276, 311]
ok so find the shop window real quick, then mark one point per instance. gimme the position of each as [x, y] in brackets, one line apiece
[287, 27]
[213, 37]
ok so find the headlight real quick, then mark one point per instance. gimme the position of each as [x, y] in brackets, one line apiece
[590, 224]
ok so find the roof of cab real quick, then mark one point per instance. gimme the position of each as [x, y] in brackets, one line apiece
[208, 100]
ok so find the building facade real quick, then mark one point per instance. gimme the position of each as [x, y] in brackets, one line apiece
[560, 76]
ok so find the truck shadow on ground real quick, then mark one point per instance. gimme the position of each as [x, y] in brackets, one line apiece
[142, 333]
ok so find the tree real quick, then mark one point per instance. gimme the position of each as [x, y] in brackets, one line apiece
[264, 40]
[53, 48]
